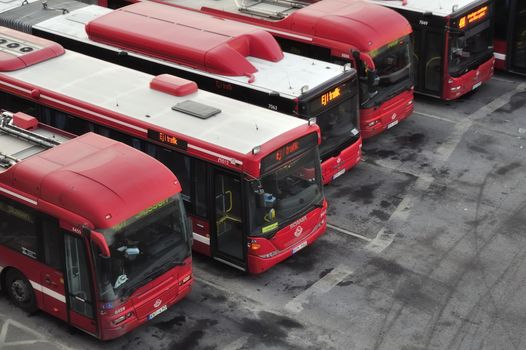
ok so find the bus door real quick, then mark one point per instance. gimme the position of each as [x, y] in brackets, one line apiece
[228, 243]
[79, 293]
[518, 37]
[428, 57]
[51, 272]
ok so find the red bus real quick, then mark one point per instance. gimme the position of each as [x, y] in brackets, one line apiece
[453, 44]
[80, 238]
[510, 35]
[225, 57]
[373, 39]
[250, 177]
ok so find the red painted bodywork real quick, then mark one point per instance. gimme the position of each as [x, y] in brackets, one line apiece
[341, 26]
[393, 111]
[172, 85]
[61, 182]
[347, 159]
[468, 81]
[221, 48]
[500, 47]
[282, 244]
[11, 62]
[169, 288]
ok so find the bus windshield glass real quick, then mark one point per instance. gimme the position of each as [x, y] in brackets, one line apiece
[470, 48]
[393, 66]
[285, 193]
[142, 248]
[338, 127]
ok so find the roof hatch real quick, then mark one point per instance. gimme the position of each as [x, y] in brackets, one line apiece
[196, 109]
[185, 37]
[19, 50]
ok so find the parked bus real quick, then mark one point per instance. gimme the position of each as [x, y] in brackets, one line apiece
[250, 177]
[453, 44]
[510, 35]
[225, 57]
[92, 231]
[375, 40]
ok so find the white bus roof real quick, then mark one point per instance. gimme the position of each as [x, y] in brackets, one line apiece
[238, 127]
[287, 76]
[441, 8]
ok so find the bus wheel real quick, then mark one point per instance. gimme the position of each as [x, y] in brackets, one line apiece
[20, 291]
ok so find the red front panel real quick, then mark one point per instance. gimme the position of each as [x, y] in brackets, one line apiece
[287, 241]
[377, 119]
[146, 303]
[337, 166]
[456, 87]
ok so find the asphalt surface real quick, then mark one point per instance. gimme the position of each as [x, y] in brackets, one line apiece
[426, 250]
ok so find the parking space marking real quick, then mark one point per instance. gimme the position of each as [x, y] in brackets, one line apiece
[347, 232]
[39, 337]
[446, 149]
[322, 286]
[434, 117]
[236, 344]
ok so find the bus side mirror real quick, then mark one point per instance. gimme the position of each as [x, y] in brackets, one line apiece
[99, 240]
[373, 79]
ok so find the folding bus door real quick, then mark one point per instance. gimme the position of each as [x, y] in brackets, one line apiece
[79, 292]
[228, 241]
[518, 37]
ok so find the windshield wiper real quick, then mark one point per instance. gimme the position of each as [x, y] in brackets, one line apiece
[151, 275]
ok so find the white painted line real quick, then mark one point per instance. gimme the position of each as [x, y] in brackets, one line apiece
[237, 344]
[38, 337]
[321, 287]
[199, 238]
[47, 291]
[434, 116]
[347, 232]
[499, 56]
[400, 169]
[447, 148]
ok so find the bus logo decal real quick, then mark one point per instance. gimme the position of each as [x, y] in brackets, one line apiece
[157, 303]
[298, 232]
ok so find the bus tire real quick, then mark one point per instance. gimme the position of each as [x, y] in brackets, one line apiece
[20, 291]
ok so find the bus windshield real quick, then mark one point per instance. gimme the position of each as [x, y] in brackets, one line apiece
[338, 127]
[468, 49]
[393, 66]
[142, 248]
[284, 194]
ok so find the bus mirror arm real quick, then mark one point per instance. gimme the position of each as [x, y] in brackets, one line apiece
[99, 240]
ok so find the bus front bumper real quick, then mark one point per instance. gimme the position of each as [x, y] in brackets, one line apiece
[343, 162]
[456, 87]
[375, 120]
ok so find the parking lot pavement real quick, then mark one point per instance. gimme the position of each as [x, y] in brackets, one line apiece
[426, 249]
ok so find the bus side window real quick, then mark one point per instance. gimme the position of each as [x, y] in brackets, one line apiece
[180, 165]
[51, 242]
[18, 228]
[201, 188]
[433, 61]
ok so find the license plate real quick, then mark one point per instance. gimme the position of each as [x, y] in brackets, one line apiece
[157, 312]
[476, 85]
[391, 124]
[339, 173]
[300, 247]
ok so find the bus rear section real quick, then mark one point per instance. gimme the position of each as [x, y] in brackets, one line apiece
[247, 173]
[453, 46]
[82, 240]
[338, 31]
[510, 36]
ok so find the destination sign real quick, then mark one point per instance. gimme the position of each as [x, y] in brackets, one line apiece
[167, 139]
[329, 98]
[473, 17]
[288, 151]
